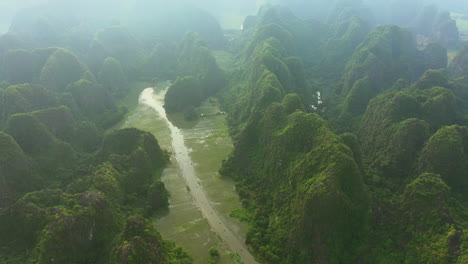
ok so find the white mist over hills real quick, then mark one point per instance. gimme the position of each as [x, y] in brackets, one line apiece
[229, 13]
[8, 9]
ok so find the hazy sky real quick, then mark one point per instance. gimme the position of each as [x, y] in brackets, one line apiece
[230, 13]
[8, 9]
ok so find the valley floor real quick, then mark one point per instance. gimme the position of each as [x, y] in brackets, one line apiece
[200, 200]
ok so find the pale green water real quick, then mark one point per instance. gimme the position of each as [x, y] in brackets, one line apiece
[210, 196]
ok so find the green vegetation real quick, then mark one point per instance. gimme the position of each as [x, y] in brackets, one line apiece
[95, 103]
[436, 56]
[385, 61]
[63, 68]
[437, 25]
[23, 98]
[444, 154]
[140, 243]
[199, 77]
[347, 30]
[54, 225]
[315, 170]
[139, 160]
[350, 138]
[407, 119]
[214, 255]
[161, 63]
[112, 77]
[15, 166]
[79, 221]
[68, 192]
[391, 193]
[236, 259]
[242, 214]
[119, 43]
[387, 54]
[183, 95]
[195, 59]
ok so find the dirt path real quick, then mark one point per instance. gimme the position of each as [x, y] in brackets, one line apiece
[200, 199]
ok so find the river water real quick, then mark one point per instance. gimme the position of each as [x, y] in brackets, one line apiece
[200, 199]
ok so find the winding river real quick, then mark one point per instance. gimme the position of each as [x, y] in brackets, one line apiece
[226, 232]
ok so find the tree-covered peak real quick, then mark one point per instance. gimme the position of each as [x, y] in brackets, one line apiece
[272, 31]
[444, 154]
[112, 76]
[15, 168]
[396, 126]
[299, 157]
[382, 56]
[14, 151]
[62, 68]
[199, 76]
[118, 41]
[32, 135]
[124, 142]
[191, 40]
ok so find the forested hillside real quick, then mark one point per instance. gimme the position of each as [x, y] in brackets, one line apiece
[372, 172]
[349, 123]
[71, 189]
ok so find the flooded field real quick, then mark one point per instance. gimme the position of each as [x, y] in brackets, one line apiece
[200, 199]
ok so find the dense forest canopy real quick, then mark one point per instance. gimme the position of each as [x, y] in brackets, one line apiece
[349, 123]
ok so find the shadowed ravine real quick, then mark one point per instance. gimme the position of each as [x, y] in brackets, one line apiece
[187, 169]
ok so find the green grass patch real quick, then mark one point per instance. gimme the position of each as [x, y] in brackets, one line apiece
[242, 214]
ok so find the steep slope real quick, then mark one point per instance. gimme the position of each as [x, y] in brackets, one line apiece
[199, 76]
[386, 59]
[63, 68]
[16, 177]
[78, 221]
[396, 126]
[319, 207]
[392, 193]
[140, 243]
[414, 159]
[282, 150]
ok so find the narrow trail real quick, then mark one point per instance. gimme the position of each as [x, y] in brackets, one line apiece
[155, 101]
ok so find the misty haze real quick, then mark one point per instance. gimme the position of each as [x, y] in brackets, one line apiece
[234, 131]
